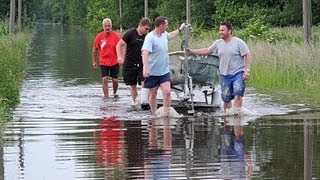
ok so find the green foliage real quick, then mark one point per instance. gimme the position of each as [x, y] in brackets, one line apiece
[76, 11]
[132, 13]
[232, 12]
[4, 9]
[202, 12]
[169, 9]
[100, 9]
[4, 27]
[255, 29]
[290, 13]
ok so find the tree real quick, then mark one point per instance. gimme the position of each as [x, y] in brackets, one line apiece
[100, 9]
[132, 13]
[4, 9]
[19, 13]
[76, 11]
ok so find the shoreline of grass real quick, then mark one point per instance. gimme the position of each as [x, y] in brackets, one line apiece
[13, 60]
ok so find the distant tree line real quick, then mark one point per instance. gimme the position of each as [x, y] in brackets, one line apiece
[204, 13]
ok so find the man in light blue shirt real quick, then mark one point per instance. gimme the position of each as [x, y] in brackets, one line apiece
[235, 63]
[155, 60]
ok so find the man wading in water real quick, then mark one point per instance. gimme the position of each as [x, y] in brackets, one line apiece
[235, 63]
[130, 47]
[104, 53]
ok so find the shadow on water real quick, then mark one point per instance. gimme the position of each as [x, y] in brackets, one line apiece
[64, 129]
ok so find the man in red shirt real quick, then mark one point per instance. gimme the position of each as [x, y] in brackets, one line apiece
[104, 53]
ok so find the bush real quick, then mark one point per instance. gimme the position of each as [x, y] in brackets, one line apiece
[255, 29]
[4, 27]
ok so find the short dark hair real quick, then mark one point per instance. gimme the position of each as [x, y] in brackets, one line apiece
[144, 22]
[227, 24]
[159, 20]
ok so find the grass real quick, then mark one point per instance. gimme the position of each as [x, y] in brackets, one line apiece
[287, 69]
[13, 60]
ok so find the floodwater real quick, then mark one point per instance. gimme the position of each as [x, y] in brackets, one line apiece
[63, 129]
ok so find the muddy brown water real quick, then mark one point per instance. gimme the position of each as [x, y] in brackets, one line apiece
[64, 129]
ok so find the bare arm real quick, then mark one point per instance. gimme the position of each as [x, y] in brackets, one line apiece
[174, 33]
[247, 63]
[121, 49]
[146, 70]
[95, 58]
[202, 51]
[248, 60]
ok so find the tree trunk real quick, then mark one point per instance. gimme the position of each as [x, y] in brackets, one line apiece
[146, 8]
[24, 13]
[19, 13]
[12, 16]
[307, 21]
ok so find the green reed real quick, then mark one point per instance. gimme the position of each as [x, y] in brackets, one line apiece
[288, 70]
[13, 60]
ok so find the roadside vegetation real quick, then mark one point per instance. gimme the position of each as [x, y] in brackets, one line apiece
[13, 60]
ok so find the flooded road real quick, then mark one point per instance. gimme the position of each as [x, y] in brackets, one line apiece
[63, 129]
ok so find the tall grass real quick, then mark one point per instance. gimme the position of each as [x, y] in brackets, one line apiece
[13, 60]
[286, 69]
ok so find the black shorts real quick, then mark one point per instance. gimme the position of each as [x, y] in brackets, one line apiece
[111, 71]
[133, 73]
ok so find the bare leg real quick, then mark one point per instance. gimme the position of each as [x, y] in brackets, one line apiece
[115, 84]
[153, 100]
[105, 87]
[237, 102]
[227, 105]
[134, 93]
[166, 93]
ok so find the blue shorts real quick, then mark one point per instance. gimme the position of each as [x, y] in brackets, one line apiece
[155, 81]
[232, 85]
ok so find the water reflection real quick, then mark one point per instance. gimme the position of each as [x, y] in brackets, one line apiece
[158, 154]
[128, 150]
[308, 149]
[136, 140]
[236, 162]
[110, 146]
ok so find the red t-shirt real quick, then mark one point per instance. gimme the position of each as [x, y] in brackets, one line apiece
[106, 44]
